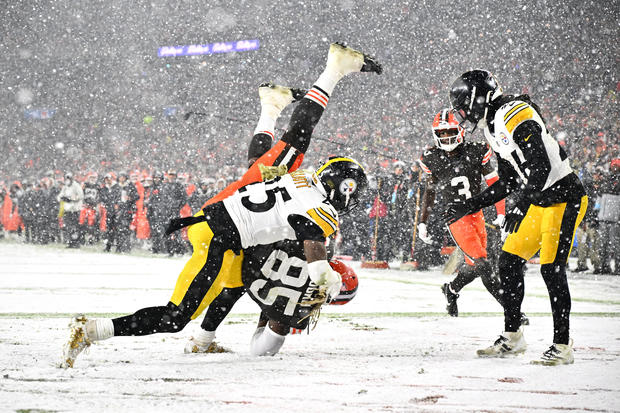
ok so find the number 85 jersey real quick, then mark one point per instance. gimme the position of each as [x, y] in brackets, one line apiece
[293, 206]
[458, 173]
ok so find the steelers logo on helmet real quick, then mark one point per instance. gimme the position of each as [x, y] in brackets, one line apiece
[348, 186]
[344, 181]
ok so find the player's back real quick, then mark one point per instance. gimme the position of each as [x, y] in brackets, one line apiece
[262, 211]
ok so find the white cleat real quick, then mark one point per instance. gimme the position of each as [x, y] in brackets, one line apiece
[508, 344]
[557, 354]
[78, 341]
[344, 60]
[192, 347]
[278, 96]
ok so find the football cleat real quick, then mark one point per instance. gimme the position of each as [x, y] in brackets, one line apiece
[524, 320]
[279, 96]
[557, 354]
[78, 341]
[192, 347]
[344, 60]
[508, 344]
[451, 297]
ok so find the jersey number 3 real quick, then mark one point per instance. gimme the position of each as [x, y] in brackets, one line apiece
[463, 182]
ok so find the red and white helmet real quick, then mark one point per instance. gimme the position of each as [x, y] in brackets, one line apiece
[447, 131]
[349, 283]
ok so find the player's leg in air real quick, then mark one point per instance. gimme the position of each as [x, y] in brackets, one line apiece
[190, 299]
[285, 156]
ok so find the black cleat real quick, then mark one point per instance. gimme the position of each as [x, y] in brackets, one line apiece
[524, 321]
[451, 297]
[371, 65]
[298, 94]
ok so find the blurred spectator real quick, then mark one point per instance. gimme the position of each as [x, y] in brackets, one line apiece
[174, 198]
[109, 195]
[71, 197]
[609, 218]
[588, 237]
[156, 212]
[127, 196]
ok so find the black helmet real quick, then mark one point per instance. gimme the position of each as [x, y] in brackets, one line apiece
[471, 94]
[344, 181]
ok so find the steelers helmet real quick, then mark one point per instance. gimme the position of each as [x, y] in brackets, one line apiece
[447, 131]
[344, 181]
[472, 93]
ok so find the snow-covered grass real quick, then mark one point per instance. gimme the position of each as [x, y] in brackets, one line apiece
[392, 348]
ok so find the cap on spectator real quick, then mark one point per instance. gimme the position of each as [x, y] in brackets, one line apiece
[68, 175]
[172, 172]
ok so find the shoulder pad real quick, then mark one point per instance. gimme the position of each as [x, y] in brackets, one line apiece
[513, 113]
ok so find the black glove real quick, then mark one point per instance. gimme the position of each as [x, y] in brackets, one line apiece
[455, 211]
[513, 220]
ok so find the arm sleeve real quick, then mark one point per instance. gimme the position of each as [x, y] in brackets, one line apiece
[305, 229]
[508, 182]
[528, 136]
[490, 177]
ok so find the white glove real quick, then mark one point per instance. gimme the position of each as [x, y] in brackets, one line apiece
[499, 223]
[423, 234]
[328, 280]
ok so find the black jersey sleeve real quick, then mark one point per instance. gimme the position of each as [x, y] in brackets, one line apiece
[508, 182]
[305, 229]
[528, 136]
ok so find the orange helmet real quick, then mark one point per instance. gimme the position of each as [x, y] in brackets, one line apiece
[447, 131]
[349, 283]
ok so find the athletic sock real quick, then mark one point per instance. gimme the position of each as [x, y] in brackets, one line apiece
[100, 329]
[318, 95]
[327, 81]
[204, 337]
[267, 121]
[266, 343]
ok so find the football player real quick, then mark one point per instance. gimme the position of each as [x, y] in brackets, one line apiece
[454, 168]
[302, 205]
[550, 204]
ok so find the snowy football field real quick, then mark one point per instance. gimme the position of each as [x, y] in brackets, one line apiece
[392, 349]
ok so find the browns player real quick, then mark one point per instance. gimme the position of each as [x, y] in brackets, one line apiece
[551, 202]
[454, 169]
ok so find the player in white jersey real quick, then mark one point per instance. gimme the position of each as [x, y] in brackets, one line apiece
[551, 203]
[219, 232]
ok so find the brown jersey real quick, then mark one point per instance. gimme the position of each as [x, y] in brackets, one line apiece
[457, 175]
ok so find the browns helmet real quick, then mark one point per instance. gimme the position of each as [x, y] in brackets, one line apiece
[447, 131]
[349, 283]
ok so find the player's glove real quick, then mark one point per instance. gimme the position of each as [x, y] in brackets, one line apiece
[456, 210]
[328, 280]
[499, 223]
[423, 234]
[513, 220]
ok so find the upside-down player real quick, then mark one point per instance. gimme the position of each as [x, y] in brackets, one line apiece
[275, 275]
[551, 203]
[455, 168]
[300, 206]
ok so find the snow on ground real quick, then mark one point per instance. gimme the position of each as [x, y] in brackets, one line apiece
[392, 349]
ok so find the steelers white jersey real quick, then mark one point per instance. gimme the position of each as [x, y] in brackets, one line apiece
[507, 119]
[261, 210]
